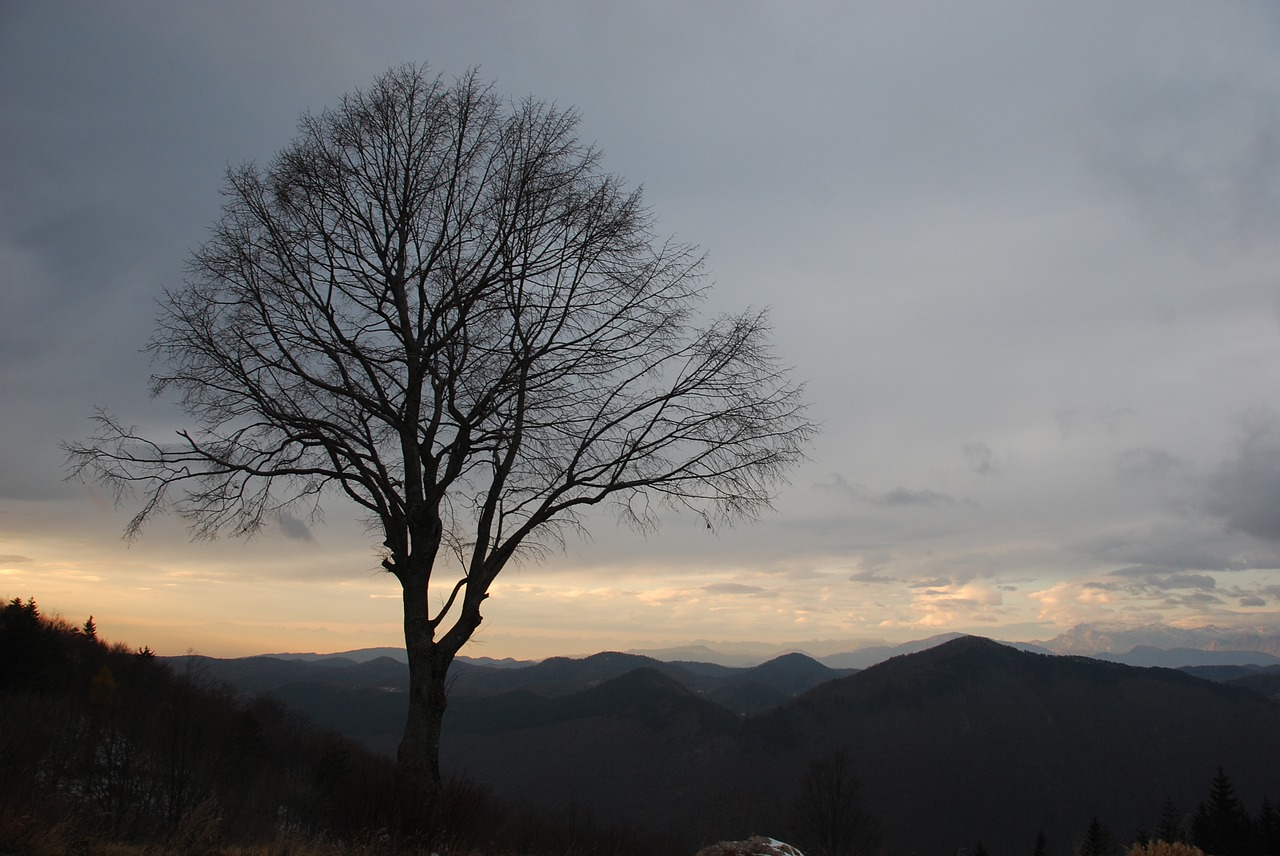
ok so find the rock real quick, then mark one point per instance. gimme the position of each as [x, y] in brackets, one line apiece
[756, 845]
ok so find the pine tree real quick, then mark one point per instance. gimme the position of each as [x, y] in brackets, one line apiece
[1098, 840]
[1267, 828]
[91, 629]
[1221, 825]
[1170, 827]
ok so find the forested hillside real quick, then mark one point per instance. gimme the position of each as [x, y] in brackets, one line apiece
[106, 745]
[966, 744]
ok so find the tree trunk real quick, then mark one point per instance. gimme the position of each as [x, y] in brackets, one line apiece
[417, 777]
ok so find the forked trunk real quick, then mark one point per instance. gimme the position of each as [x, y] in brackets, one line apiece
[417, 778]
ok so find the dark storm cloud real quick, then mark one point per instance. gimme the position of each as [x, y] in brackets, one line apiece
[1245, 491]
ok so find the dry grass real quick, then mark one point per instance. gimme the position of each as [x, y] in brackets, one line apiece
[1164, 848]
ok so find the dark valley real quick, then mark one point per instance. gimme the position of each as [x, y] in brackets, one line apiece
[965, 741]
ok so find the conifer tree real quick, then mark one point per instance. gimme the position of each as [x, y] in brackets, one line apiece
[1221, 825]
[1267, 828]
[1170, 827]
[1098, 840]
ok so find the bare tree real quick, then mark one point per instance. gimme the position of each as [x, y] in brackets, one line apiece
[831, 815]
[436, 302]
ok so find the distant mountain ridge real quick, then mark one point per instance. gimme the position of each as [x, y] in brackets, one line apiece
[1177, 658]
[1113, 642]
[1093, 639]
[365, 698]
[999, 743]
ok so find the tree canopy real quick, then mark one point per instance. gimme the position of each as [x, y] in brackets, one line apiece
[437, 303]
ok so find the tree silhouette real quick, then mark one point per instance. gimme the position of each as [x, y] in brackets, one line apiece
[1221, 825]
[1170, 826]
[1267, 828]
[436, 304]
[830, 809]
[1098, 840]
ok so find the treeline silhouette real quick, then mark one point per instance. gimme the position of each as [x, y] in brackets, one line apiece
[1220, 825]
[102, 743]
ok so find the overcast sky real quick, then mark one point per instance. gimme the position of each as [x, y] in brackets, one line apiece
[1024, 256]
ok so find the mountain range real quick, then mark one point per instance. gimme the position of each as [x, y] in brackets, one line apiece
[968, 739]
[1115, 642]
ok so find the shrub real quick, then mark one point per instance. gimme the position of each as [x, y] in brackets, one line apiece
[1164, 848]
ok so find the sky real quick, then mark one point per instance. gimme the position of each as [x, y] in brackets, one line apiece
[1022, 255]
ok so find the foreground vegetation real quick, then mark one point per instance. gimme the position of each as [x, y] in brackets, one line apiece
[106, 750]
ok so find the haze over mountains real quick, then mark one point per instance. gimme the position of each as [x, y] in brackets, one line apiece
[963, 740]
[1216, 647]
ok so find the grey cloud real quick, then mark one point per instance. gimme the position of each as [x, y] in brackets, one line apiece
[1196, 599]
[1177, 545]
[986, 221]
[1161, 578]
[1252, 600]
[907, 496]
[1245, 491]
[872, 577]
[293, 528]
[1066, 420]
[981, 459]
[1072, 421]
[839, 484]
[735, 588]
[898, 496]
[1146, 464]
[956, 602]
[1182, 581]
[936, 582]
[1213, 179]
